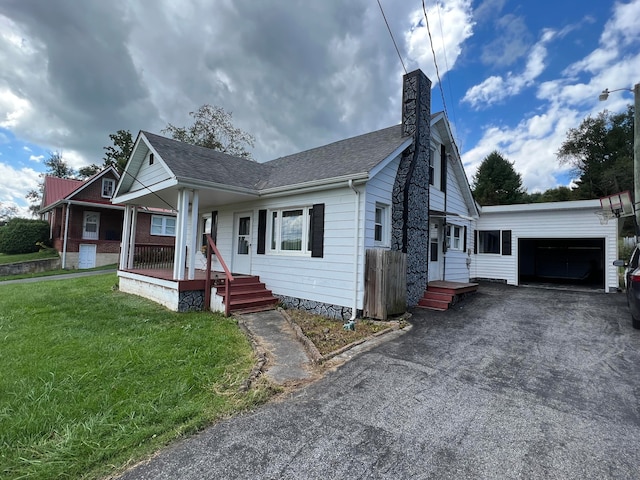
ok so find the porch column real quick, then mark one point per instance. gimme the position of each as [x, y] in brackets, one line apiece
[132, 235]
[126, 233]
[193, 244]
[181, 235]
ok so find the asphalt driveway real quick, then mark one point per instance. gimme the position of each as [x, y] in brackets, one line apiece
[514, 383]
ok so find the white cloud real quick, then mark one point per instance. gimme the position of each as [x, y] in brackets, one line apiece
[35, 158]
[14, 183]
[457, 16]
[497, 88]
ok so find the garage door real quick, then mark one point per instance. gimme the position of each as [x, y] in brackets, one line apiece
[561, 260]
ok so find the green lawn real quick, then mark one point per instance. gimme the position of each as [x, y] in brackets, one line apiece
[92, 379]
[51, 273]
[23, 257]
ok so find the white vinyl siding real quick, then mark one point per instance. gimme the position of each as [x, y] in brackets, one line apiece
[378, 194]
[574, 219]
[149, 175]
[328, 279]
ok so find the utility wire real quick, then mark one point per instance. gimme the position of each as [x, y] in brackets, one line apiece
[392, 39]
[446, 61]
[444, 104]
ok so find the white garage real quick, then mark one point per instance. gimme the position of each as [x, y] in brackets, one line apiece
[555, 242]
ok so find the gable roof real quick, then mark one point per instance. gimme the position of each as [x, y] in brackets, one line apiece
[56, 188]
[59, 189]
[353, 156]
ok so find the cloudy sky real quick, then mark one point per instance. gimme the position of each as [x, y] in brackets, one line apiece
[515, 75]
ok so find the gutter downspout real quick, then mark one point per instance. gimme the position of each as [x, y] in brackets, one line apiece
[356, 248]
[66, 235]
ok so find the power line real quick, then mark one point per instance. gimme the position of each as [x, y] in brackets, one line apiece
[444, 104]
[446, 61]
[392, 39]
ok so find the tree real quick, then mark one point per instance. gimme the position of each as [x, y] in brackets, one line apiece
[601, 152]
[497, 183]
[56, 167]
[212, 128]
[7, 212]
[118, 154]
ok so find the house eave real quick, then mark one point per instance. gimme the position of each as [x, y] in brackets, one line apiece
[144, 191]
[315, 185]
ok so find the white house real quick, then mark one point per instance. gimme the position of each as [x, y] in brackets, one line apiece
[303, 223]
[296, 229]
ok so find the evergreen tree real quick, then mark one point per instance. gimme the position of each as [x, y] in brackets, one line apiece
[497, 183]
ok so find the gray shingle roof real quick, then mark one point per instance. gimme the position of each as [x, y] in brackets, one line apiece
[352, 156]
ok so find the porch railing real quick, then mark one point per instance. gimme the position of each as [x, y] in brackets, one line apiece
[151, 256]
[228, 277]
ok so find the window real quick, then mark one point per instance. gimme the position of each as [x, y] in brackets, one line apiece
[165, 226]
[90, 225]
[290, 230]
[381, 225]
[454, 237]
[489, 241]
[108, 185]
[151, 159]
[432, 159]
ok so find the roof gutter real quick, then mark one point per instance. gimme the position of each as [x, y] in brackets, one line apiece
[356, 249]
[315, 185]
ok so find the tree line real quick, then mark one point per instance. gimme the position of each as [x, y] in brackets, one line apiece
[599, 151]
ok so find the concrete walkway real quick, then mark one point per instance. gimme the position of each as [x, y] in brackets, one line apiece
[287, 359]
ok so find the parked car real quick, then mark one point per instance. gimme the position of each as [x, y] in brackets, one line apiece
[632, 284]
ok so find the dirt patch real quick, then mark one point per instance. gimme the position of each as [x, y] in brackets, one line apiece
[329, 335]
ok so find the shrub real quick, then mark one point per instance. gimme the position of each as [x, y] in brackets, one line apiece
[22, 235]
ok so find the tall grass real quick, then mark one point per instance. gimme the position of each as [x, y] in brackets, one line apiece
[91, 378]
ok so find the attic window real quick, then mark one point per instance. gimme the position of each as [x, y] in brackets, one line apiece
[151, 159]
[107, 187]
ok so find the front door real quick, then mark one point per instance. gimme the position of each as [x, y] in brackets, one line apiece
[242, 243]
[435, 250]
[91, 225]
[87, 256]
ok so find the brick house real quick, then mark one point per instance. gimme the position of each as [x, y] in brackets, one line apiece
[86, 228]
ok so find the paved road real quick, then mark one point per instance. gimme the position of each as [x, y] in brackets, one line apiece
[515, 383]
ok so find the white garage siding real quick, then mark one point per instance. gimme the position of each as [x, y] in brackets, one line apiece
[559, 220]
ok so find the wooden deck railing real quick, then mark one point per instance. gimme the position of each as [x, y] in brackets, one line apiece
[153, 256]
[228, 277]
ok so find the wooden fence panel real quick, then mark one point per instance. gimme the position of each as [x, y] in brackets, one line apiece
[385, 289]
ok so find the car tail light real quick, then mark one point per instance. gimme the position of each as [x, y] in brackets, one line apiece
[635, 276]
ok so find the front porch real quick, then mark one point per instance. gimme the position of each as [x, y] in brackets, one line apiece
[246, 292]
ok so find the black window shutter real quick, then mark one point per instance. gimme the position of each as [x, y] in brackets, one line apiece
[464, 237]
[506, 242]
[317, 230]
[475, 242]
[262, 231]
[443, 169]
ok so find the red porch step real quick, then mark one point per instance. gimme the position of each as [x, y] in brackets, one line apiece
[440, 295]
[248, 294]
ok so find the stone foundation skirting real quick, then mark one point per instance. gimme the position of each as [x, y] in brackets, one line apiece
[319, 308]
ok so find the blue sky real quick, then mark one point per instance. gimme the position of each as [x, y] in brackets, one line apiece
[516, 75]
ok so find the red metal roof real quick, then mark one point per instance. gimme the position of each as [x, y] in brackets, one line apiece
[58, 188]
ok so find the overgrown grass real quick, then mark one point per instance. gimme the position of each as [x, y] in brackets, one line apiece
[92, 379]
[23, 257]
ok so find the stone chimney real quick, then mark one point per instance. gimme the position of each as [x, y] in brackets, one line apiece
[410, 213]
